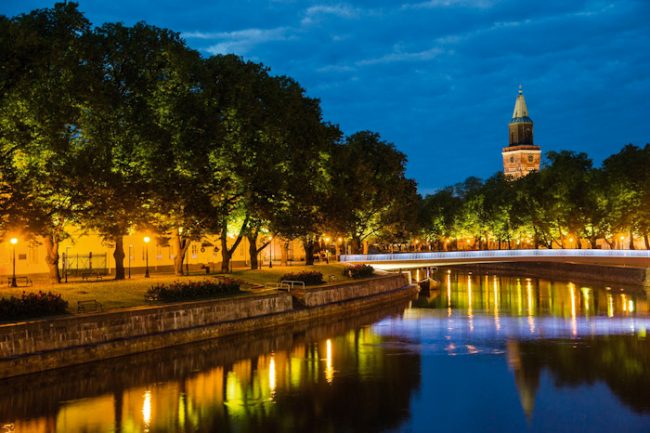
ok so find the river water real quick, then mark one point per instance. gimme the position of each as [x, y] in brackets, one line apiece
[482, 353]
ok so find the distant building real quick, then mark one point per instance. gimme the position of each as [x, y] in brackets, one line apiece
[521, 156]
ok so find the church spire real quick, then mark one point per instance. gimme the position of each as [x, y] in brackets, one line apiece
[521, 110]
[522, 155]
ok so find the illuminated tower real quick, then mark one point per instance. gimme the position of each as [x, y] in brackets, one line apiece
[521, 156]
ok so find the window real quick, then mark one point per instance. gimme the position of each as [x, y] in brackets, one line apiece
[530, 158]
[512, 159]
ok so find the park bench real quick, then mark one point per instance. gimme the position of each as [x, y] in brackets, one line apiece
[89, 306]
[88, 275]
[20, 281]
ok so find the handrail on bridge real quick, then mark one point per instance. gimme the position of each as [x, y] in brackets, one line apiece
[644, 254]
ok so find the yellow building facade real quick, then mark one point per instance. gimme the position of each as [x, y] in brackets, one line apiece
[85, 251]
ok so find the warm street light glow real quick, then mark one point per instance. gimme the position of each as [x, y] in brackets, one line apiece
[14, 241]
[146, 255]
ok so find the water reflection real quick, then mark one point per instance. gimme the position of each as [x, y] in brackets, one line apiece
[530, 297]
[517, 354]
[303, 382]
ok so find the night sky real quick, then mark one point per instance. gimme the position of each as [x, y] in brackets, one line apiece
[438, 78]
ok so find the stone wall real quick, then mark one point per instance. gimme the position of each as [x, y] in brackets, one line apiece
[313, 297]
[45, 344]
[46, 335]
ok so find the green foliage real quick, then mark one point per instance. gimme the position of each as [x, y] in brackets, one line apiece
[182, 291]
[311, 278]
[359, 271]
[32, 305]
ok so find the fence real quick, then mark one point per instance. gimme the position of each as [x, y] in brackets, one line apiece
[84, 264]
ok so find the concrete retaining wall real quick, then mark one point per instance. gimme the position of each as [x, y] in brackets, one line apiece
[47, 344]
[627, 276]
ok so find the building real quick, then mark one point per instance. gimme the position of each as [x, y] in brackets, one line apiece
[522, 155]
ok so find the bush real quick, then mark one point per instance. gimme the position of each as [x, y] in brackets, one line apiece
[359, 271]
[310, 278]
[181, 290]
[32, 305]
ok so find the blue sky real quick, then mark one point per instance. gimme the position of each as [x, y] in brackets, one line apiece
[438, 78]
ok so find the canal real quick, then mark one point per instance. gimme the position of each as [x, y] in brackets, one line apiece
[480, 353]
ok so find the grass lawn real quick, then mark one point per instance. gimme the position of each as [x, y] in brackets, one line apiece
[130, 293]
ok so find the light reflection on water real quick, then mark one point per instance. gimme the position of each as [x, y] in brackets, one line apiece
[518, 354]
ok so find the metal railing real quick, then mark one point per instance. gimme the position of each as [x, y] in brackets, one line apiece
[496, 254]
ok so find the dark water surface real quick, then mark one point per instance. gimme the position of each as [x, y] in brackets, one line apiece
[482, 353]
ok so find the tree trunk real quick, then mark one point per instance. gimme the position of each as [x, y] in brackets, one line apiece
[52, 257]
[594, 242]
[356, 245]
[646, 241]
[181, 245]
[631, 240]
[119, 255]
[365, 247]
[308, 245]
[252, 249]
[225, 252]
[284, 253]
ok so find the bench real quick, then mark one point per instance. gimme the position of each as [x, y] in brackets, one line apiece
[89, 306]
[88, 275]
[20, 281]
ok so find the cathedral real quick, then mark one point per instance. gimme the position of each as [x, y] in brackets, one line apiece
[521, 156]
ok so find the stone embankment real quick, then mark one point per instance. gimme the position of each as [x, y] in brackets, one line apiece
[46, 344]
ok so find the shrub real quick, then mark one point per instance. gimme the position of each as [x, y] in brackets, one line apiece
[359, 271]
[181, 290]
[32, 305]
[310, 278]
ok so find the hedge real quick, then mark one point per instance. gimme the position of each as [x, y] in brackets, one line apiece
[181, 290]
[310, 278]
[359, 271]
[32, 305]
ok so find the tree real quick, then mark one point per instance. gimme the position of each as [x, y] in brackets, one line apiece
[368, 183]
[42, 101]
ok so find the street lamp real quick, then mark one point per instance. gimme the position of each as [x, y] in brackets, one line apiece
[146, 256]
[130, 247]
[271, 252]
[14, 241]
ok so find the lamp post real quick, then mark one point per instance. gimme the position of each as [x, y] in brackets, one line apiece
[14, 241]
[146, 255]
[66, 262]
[130, 247]
[271, 252]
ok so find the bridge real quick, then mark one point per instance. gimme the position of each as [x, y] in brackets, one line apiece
[634, 258]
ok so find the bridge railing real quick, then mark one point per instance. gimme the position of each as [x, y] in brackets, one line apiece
[501, 254]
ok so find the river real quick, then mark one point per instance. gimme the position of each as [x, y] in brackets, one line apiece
[482, 353]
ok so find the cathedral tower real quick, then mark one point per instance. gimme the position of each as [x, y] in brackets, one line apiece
[521, 156]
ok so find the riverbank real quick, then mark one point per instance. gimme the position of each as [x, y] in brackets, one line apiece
[633, 277]
[114, 294]
[47, 344]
